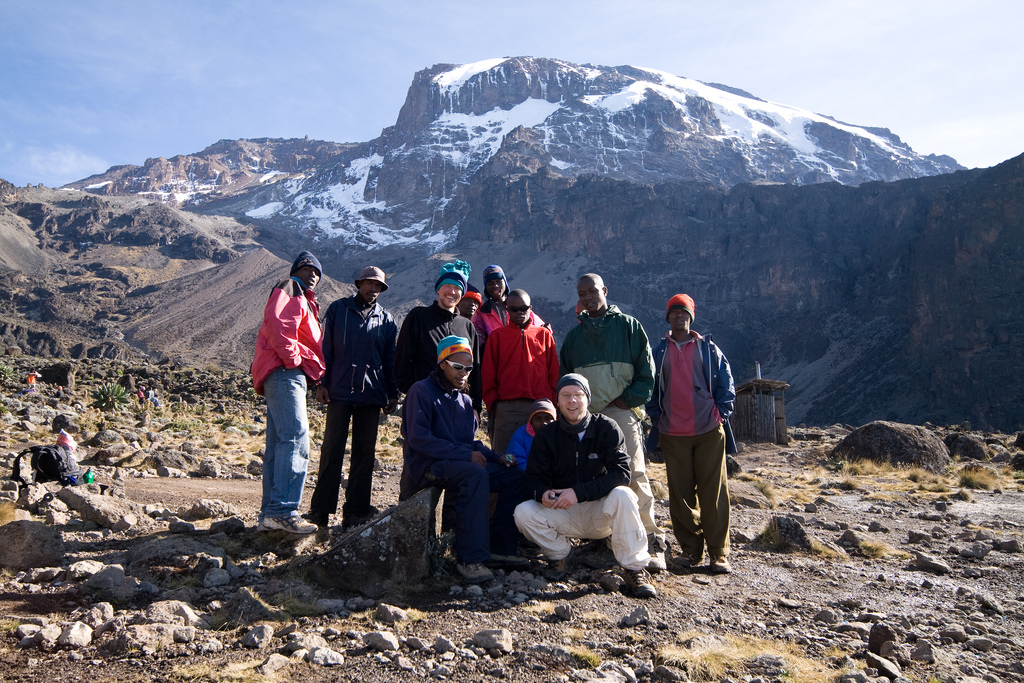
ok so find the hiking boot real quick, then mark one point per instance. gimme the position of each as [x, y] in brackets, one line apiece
[291, 525]
[474, 573]
[350, 520]
[320, 519]
[557, 568]
[656, 547]
[639, 582]
[720, 565]
[689, 561]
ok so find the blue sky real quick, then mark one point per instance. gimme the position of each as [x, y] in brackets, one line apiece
[84, 86]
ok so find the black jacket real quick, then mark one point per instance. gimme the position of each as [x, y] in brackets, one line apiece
[592, 467]
[416, 352]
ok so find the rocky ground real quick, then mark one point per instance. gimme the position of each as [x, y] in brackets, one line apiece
[844, 570]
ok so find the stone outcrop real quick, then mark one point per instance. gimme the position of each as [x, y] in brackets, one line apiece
[895, 444]
[398, 548]
[25, 544]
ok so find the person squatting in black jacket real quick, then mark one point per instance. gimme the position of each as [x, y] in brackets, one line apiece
[578, 481]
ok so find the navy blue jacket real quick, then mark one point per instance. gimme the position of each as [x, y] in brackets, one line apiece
[438, 423]
[360, 354]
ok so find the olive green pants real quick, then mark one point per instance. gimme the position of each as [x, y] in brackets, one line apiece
[698, 492]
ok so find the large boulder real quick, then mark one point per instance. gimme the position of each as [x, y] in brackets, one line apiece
[967, 447]
[113, 513]
[25, 544]
[896, 444]
[396, 550]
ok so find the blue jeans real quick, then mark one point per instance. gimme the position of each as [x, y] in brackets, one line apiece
[287, 452]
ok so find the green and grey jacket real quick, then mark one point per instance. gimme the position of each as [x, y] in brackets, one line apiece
[613, 353]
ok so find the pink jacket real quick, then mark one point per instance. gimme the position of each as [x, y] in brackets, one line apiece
[290, 335]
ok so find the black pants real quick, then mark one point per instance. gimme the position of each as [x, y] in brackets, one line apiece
[364, 421]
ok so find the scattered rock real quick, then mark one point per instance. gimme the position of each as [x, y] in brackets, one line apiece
[258, 637]
[389, 614]
[490, 639]
[25, 544]
[929, 563]
[382, 641]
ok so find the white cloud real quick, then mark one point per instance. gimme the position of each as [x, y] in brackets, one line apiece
[53, 166]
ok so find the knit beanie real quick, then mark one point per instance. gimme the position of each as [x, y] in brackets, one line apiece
[683, 300]
[451, 345]
[494, 272]
[475, 295]
[454, 274]
[306, 259]
[574, 379]
[542, 405]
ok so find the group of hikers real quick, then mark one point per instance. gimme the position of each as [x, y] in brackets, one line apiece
[566, 458]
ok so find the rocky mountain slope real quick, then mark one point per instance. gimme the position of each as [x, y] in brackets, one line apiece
[408, 186]
[221, 170]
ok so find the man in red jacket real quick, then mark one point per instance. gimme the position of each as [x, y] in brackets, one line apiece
[520, 366]
[288, 354]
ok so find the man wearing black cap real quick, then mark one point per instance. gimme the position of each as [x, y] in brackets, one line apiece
[577, 476]
[288, 358]
[359, 350]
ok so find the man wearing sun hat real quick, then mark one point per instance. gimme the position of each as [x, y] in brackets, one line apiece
[693, 397]
[425, 326]
[359, 350]
[440, 449]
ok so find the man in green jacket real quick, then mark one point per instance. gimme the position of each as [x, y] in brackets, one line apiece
[611, 350]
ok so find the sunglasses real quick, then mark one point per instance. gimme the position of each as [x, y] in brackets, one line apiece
[459, 367]
[518, 309]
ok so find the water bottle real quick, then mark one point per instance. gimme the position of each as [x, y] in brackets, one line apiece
[89, 477]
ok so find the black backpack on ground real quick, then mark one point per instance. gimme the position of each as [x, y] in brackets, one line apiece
[48, 463]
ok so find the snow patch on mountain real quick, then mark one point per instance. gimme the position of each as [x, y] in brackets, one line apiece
[454, 79]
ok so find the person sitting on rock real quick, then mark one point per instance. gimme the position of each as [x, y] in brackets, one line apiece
[440, 449]
[542, 412]
[578, 479]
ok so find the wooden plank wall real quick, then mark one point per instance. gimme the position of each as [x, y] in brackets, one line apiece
[754, 418]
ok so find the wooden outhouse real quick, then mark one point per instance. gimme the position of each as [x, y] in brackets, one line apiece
[760, 414]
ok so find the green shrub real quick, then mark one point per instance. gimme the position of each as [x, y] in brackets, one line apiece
[109, 396]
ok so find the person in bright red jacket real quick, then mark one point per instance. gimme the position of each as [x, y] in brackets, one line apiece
[288, 355]
[520, 366]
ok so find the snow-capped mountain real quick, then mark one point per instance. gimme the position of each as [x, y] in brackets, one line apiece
[408, 187]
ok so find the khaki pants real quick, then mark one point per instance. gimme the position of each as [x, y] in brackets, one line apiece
[629, 423]
[616, 515]
[507, 418]
[698, 491]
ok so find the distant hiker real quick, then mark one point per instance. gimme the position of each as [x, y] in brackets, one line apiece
[520, 366]
[542, 412]
[493, 313]
[470, 302]
[425, 326]
[577, 480]
[153, 397]
[610, 349]
[693, 397]
[440, 449]
[288, 356]
[359, 350]
[30, 382]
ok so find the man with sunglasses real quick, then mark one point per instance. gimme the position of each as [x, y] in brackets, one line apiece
[520, 366]
[440, 449]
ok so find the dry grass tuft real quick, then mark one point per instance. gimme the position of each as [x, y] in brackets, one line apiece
[770, 537]
[7, 509]
[232, 672]
[768, 489]
[821, 550]
[979, 478]
[877, 550]
[712, 659]
[585, 657]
